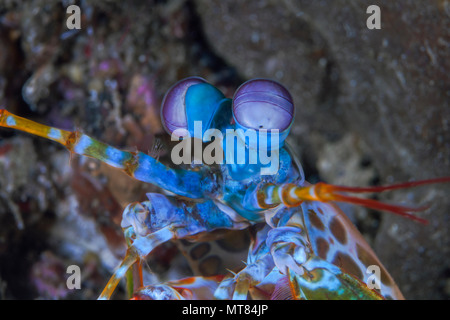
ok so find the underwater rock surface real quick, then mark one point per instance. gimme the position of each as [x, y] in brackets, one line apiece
[372, 107]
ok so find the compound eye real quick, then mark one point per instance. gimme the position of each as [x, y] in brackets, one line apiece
[263, 104]
[173, 107]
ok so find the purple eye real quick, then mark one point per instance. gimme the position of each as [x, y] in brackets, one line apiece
[263, 104]
[173, 109]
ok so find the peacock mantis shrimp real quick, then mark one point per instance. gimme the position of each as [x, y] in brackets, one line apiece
[302, 246]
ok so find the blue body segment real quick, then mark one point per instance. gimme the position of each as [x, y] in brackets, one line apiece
[202, 102]
[196, 216]
[187, 183]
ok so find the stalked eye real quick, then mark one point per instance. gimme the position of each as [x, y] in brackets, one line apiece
[173, 109]
[263, 104]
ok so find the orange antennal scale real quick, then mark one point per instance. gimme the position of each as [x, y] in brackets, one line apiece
[292, 195]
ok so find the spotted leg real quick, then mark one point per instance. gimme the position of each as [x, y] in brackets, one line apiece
[325, 257]
[160, 219]
[311, 277]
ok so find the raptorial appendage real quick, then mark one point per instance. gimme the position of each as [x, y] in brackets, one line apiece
[138, 165]
[163, 218]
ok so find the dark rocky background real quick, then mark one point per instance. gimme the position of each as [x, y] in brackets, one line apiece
[372, 107]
